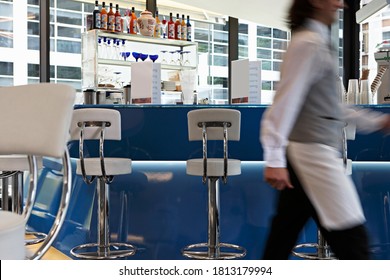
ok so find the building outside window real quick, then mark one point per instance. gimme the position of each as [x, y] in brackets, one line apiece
[19, 47]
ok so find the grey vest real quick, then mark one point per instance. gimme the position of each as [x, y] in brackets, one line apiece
[320, 119]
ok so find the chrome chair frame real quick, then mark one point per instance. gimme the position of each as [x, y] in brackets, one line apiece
[105, 248]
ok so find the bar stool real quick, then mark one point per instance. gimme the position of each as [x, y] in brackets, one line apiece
[38, 131]
[322, 249]
[12, 175]
[100, 124]
[214, 124]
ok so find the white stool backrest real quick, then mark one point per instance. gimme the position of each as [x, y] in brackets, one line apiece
[196, 117]
[111, 132]
[35, 119]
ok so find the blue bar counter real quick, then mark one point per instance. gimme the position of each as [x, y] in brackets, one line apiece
[160, 209]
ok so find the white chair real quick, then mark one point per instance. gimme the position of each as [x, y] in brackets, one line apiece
[100, 124]
[321, 248]
[37, 124]
[204, 125]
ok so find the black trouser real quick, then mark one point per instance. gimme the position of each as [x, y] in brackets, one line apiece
[293, 211]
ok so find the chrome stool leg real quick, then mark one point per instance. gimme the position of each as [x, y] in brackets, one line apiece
[15, 203]
[104, 249]
[215, 249]
[322, 249]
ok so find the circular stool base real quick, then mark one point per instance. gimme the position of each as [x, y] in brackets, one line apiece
[314, 255]
[204, 255]
[37, 237]
[114, 251]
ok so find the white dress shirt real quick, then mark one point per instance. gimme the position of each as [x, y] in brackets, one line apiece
[301, 67]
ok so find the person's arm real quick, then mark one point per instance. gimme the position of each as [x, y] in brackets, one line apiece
[366, 120]
[300, 70]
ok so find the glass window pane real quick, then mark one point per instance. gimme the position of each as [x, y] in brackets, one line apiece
[69, 32]
[69, 5]
[220, 37]
[6, 25]
[203, 47]
[264, 31]
[242, 51]
[33, 13]
[277, 66]
[266, 85]
[6, 10]
[264, 54]
[201, 35]
[6, 40]
[279, 34]
[266, 65]
[221, 49]
[66, 72]
[280, 45]
[32, 43]
[33, 70]
[6, 68]
[33, 28]
[243, 28]
[243, 40]
[69, 18]
[264, 43]
[278, 55]
[68, 46]
[6, 82]
[220, 60]
[33, 2]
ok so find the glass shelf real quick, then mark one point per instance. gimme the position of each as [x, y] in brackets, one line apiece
[115, 62]
[143, 39]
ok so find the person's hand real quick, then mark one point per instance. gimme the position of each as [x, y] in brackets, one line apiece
[386, 125]
[278, 178]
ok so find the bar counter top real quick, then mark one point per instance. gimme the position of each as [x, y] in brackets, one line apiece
[160, 209]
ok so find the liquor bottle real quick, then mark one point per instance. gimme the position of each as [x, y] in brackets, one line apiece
[189, 29]
[126, 21]
[183, 29]
[96, 17]
[104, 18]
[118, 20]
[177, 27]
[171, 27]
[157, 28]
[111, 19]
[133, 22]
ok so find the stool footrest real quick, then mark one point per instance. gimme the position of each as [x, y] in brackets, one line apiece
[313, 255]
[112, 251]
[38, 237]
[231, 251]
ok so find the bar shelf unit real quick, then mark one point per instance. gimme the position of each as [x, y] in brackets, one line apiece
[102, 63]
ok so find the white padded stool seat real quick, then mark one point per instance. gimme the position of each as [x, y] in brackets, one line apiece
[12, 236]
[17, 163]
[215, 167]
[113, 166]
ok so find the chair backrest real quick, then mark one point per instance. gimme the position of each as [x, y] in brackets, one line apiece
[95, 115]
[198, 116]
[36, 119]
